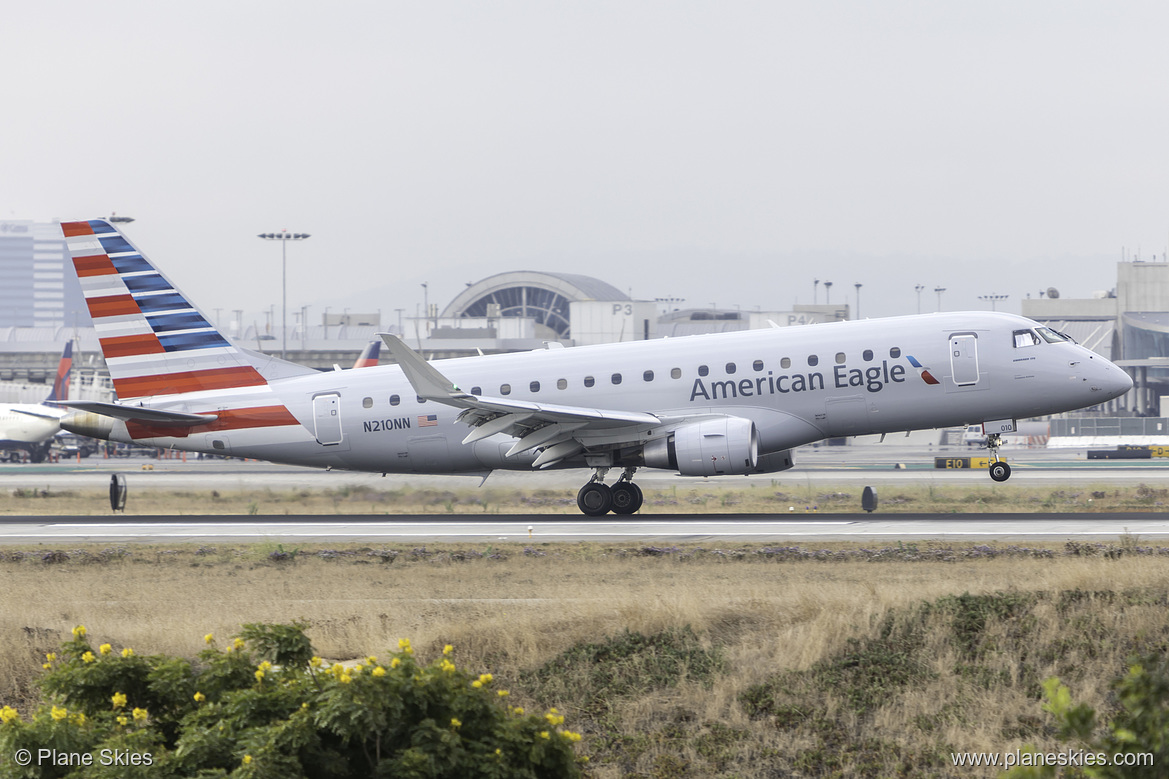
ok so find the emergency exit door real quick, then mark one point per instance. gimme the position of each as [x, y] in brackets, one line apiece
[964, 359]
[327, 413]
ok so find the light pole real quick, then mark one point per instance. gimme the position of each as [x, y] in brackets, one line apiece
[858, 286]
[918, 288]
[815, 291]
[939, 290]
[994, 299]
[827, 293]
[284, 237]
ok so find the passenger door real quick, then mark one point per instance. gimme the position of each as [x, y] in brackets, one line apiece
[964, 359]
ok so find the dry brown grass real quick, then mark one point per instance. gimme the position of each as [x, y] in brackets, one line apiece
[778, 497]
[513, 615]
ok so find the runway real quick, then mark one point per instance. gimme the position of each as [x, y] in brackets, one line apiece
[529, 529]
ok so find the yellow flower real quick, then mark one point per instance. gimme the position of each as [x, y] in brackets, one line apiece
[238, 643]
[51, 656]
[498, 752]
[127, 652]
[265, 666]
[123, 721]
[553, 718]
[379, 671]
[447, 666]
[345, 678]
[207, 639]
[105, 649]
[476, 684]
[394, 663]
[403, 644]
[59, 713]
[371, 660]
[46, 666]
[304, 705]
[518, 710]
[573, 737]
[79, 631]
[456, 723]
[259, 675]
[79, 718]
[357, 669]
[316, 662]
[88, 657]
[446, 650]
[503, 693]
[140, 714]
[119, 700]
[545, 734]
[486, 678]
[247, 759]
[8, 714]
[200, 697]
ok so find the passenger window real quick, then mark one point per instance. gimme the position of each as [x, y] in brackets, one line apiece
[1025, 338]
[476, 390]
[730, 367]
[786, 362]
[648, 375]
[840, 358]
[420, 399]
[395, 400]
[703, 370]
[813, 360]
[534, 386]
[895, 351]
[562, 384]
[867, 354]
[367, 402]
[504, 389]
[757, 365]
[589, 381]
[616, 378]
[675, 373]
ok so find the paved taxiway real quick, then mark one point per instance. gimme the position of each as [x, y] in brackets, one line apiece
[650, 529]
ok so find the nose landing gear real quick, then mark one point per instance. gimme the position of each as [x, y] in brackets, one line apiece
[596, 499]
[999, 470]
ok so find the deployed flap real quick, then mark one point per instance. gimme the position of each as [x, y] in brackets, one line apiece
[139, 414]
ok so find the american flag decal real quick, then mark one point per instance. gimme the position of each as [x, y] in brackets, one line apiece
[430, 420]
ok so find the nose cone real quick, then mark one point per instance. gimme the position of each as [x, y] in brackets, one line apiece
[1110, 381]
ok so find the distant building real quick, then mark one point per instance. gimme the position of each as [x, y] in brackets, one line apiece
[35, 290]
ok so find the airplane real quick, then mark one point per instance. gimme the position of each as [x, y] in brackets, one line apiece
[31, 426]
[732, 403]
[369, 355]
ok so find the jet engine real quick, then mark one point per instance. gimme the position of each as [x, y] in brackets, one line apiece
[707, 448]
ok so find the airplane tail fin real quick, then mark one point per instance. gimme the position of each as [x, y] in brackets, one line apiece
[61, 380]
[369, 355]
[155, 342]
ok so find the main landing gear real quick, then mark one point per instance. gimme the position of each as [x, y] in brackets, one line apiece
[999, 470]
[596, 499]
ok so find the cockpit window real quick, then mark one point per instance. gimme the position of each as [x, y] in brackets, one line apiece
[1051, 336]
[1025, 338]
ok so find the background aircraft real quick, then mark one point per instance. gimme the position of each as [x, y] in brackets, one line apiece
[30, 427]
[733, 403]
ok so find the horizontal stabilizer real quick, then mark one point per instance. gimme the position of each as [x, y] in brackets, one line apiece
[139, 414]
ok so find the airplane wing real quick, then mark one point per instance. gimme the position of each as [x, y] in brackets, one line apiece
[139, 414]
[37, 414]
[556, 428]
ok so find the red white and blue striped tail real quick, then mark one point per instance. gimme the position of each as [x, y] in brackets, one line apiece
[369, 355]
[154, 341]
[61, 380]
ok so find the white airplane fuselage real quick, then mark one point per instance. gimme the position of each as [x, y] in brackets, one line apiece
[797, 385]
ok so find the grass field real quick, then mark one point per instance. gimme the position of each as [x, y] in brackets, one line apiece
[691, 498]
[685, 661]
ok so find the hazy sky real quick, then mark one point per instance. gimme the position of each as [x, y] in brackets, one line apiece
[721, 152]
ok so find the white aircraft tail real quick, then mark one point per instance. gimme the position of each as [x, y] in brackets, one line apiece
[155, 342]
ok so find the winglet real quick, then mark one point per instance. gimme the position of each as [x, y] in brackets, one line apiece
[423, 377]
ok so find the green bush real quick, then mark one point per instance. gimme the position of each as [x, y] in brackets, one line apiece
[265, 706]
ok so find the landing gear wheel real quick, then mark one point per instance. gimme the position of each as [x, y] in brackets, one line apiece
[627, 497]
[1000, 471]
[595, 499]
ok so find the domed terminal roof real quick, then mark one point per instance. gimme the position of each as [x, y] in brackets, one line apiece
[542, 296]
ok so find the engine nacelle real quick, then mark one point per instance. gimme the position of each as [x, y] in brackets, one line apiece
[88, 423]
[726, 445]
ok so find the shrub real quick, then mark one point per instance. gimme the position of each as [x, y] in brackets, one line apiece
[266, 706]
